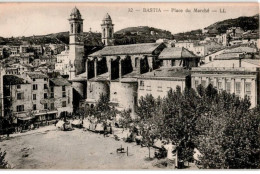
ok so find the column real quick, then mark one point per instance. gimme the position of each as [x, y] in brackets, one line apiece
[120, 68]
[95, 67]
[242, 88]
[87, 68]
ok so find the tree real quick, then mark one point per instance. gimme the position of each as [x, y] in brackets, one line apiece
[3, 163]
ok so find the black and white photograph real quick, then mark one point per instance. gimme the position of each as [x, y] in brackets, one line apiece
[129, 85]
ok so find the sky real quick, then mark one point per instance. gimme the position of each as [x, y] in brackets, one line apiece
[27, 19]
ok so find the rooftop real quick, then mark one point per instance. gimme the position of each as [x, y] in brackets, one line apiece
[59, 81]
[166, 73]
[36, 75]
[241, 50]
[252, 61]
[176, 53]
[144, 48]
[227, 56]
[14, 80]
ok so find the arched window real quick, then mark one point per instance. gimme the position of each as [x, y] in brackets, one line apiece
[110, 32]
[136, 62]
[104, 32]
[71, 28]
[79, 28]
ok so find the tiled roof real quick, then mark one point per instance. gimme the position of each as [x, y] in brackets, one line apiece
[145, 48]
[176, 53]
[166, 73]
[13, 80]
[242, 50]
[36, 75]
[59, 81]
[227, 56]
[252, 61]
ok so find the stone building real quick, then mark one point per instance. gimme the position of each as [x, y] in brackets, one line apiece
[61, 97]
[114, 70]
[76, 46]
[174, 71]
[107, 31]
[17, 96]
[178, 57]
[239, 76]
[160, 81]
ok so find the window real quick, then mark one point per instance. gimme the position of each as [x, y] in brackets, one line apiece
[45, 95]
[45, 79]
[203, 83]
[33, 79]
[52, 106]
[45, 86]
[220, 85]
[18, 86]
[52, 95]
[238, 87]
[34, 107]
[19, 108]
[228, 87]
[34, 96]
[196, 83]
[136, 62]
[64, 104]
[63, 88]
[248, 88]
[173, 62]
[211, 81]
[148, 88]
[35, 87]
[159, 89]
[63, 94]
[19, 96]
[52, 89]
[210, 58]
[45, 106]
[71, 28]
[141, 85]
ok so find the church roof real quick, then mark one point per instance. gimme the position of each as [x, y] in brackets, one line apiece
[176, 53]
[144, 48]
[107, 17]
[75, 13]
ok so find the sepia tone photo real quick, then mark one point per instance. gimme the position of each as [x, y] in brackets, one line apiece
[129, 86]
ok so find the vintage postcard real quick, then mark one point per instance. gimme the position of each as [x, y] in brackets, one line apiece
[130, 86]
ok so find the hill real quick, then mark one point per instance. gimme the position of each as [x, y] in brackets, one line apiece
[141, 34]
[246, 23]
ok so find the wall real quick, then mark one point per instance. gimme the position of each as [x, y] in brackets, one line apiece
[26, 100]
[58, 99]
[39, 93]
[95, 89]
[125, 94]
[223, 79]
[158, 87]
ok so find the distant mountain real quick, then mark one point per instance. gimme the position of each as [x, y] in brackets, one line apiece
[141, 34]
[93, 39]
[246, 23]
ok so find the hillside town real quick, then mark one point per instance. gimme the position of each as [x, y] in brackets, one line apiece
[111, 87]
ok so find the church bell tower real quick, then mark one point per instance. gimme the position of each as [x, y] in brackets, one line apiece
[107, 31]
[76, 45]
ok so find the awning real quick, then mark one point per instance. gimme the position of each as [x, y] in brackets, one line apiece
[52, 112]
[42, 113]
[25, 118]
